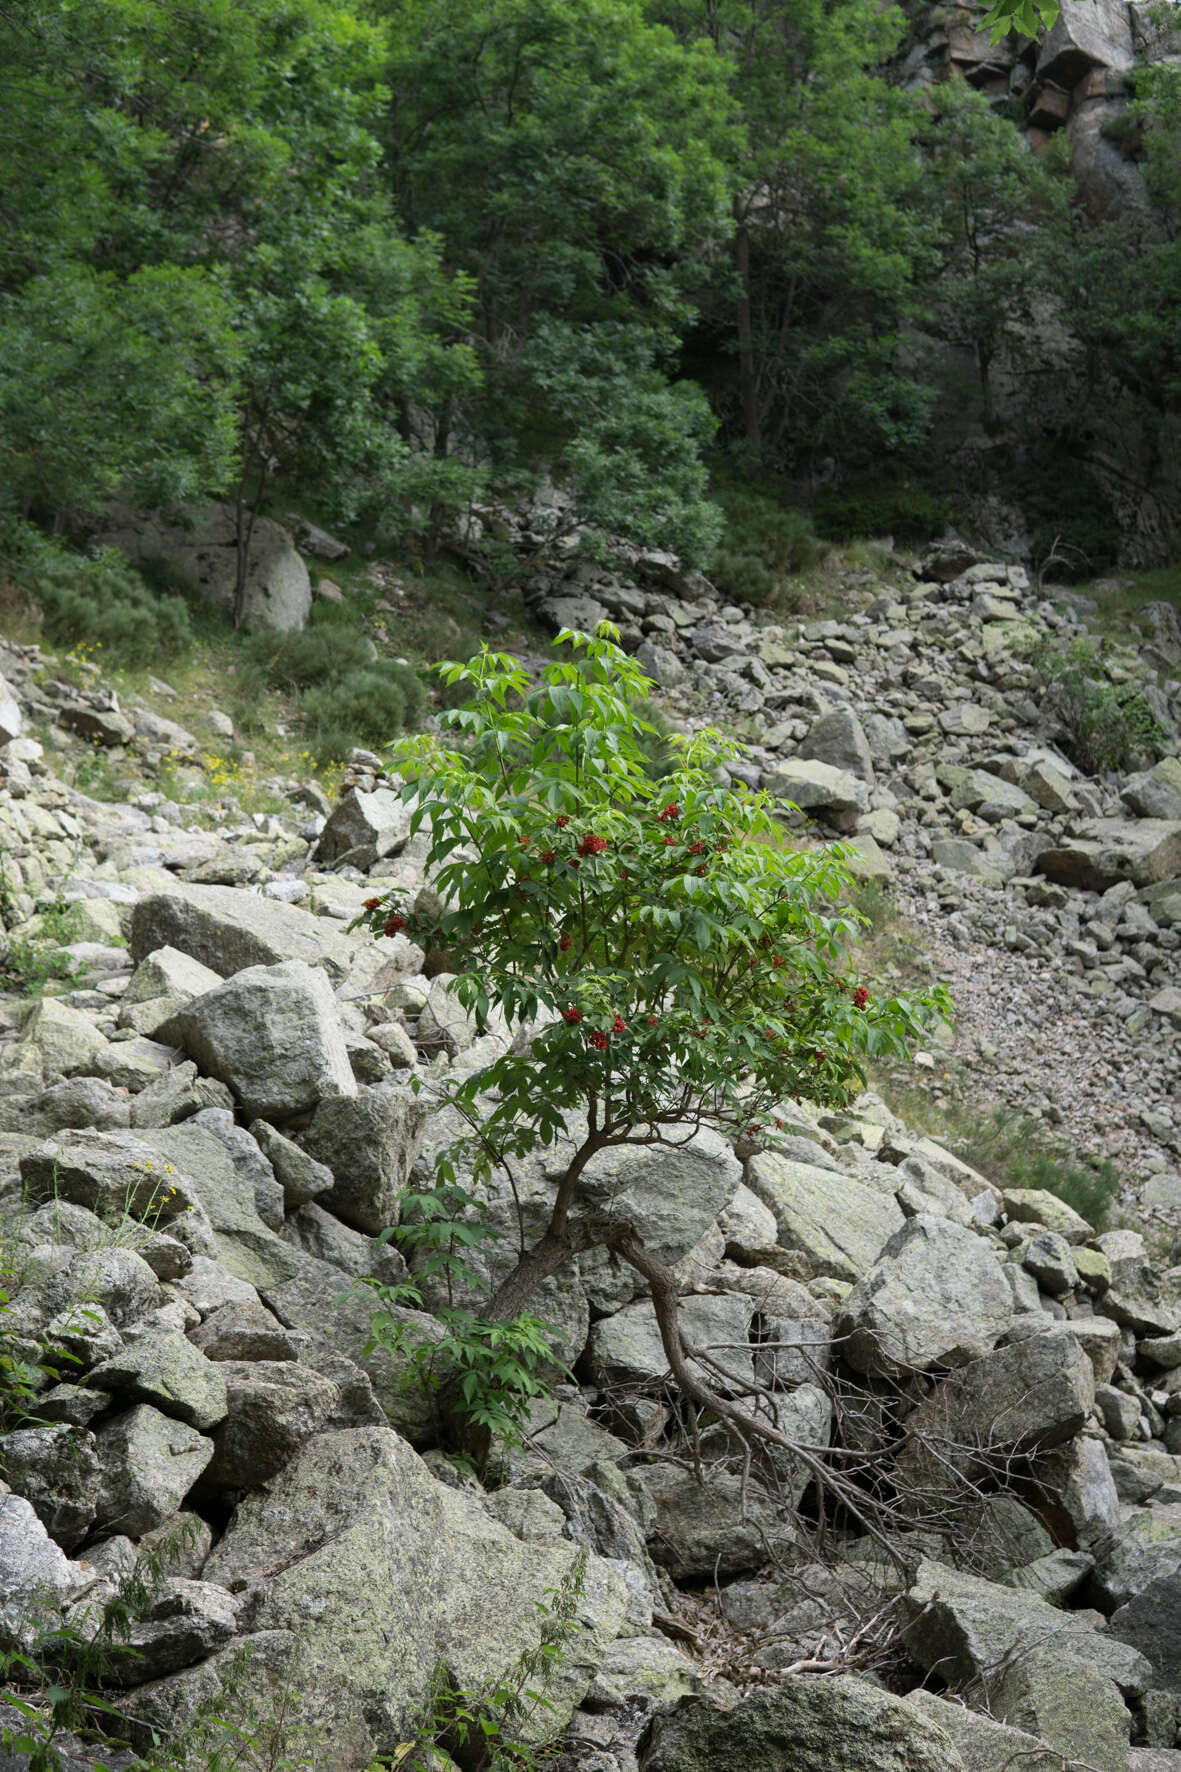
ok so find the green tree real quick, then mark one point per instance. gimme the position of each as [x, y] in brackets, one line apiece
[679, 967]
[990, 202]
[574, 159]
[202, 284]
[824, 239]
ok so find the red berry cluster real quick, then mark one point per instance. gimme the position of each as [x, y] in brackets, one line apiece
[598, 1040]
[671, 811]
[860, 997]
[592, 845]
[571, 1014]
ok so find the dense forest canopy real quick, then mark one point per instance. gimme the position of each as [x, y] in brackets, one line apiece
[405, 253]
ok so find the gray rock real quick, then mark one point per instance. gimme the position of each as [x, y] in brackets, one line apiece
[1076, 1491]
[626, 1348]
[149, 1464]
[272, 1408]
[1070, 1704]
[229, 930]
[11, 724]
[273, 1035]
[842, 1724]
[245, 1331]
[200, 545]
[968, 1628]
[335, 1313]
[1028, 1397]
[1048, 1259]
[34, 1572]
[365, 828]
[839, 1225]
[1144, 851]
[76, 1102]
[983, 1744]
[116, 1281]
[1157, 792]
[716, 1529]
[396, 1569]
[300, 1176]
[837, 739]
[166, 1370]
[965, 857]
[247, 1248]
[935, 1297]
[185, 1622]
[134, 1064]
[1144, 1546]
[113, 1174]
[85, 1334]
[1151, 1623]
[1036, 1206]
[57, 1470]
[249, 1161]
[320, 1234]
[833, 794]
[62, 1039]
[369, 1142]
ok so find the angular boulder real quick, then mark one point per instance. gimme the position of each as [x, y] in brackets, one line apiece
[832, 794]
[1069, 1703]
[273, 1035]
[1156, 793]
[967, 1628]
[935, 1297]
[369, 1140]
[272, 1407]
[1107, 850]
[837, 738]
[801, 1724]
[161, 1367]
[228, 930]
[839, 1225]
[363, 828]
[398, 1572]
[149, 1464]
[201, 547]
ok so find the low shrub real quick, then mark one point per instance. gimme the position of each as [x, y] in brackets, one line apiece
[362, 707]
[308, 656]
[902, 509]
[764, 544]
[101, 601]
[1104, 725]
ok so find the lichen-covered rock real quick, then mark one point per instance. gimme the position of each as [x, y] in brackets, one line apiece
[34, 1572]
[149, 1464]
[228, 930]
[935, 1297]
[57, 1470]
[397, 1571]
[272, 1407]
[967, 1628]
[166, 1370]
[184, 1622]
[1072, 1705]
[300, 1176]
[369, 1142]
[800, 1725]
[838, 1224]
[273, 1035]
[365, 827]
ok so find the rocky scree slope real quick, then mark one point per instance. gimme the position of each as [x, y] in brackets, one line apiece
[202, 1139]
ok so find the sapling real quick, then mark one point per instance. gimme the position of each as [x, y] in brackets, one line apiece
[676, 964]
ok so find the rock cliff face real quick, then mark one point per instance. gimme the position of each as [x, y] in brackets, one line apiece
[201, 1140]
[1074, 82]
